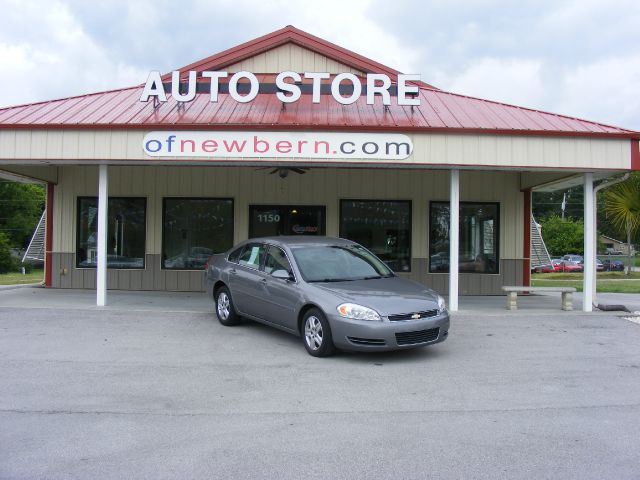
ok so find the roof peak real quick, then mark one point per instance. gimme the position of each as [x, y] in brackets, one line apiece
[291, 34]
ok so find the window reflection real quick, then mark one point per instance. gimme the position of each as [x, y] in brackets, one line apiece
[193, 229]
[384, 227]
[126, 232]
[479, 230]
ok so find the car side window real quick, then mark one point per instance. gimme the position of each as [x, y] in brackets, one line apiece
[233, 256]
[252, 256]
[277, 260]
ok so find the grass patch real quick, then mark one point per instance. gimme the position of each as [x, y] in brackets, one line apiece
[579, 276]
[35, 276]
[608, 282]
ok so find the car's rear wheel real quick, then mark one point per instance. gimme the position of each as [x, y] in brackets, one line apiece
[316, 334]
[225, 310]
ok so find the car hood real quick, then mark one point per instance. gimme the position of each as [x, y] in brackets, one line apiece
[388, 296]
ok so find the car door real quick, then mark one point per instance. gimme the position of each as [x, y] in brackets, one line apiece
[280, 295]
[245, 279]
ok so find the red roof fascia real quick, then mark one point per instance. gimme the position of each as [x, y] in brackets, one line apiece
[298, 37]
[635, 155]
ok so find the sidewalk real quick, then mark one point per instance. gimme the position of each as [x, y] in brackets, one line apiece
[29, 296]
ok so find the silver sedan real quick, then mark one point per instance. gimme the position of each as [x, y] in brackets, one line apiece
[332, 292]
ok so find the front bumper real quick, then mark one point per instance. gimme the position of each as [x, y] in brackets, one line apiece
[362, 335]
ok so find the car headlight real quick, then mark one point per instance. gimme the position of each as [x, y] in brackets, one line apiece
[442, 306]
[357, 312]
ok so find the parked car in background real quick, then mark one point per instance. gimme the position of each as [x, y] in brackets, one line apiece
[569, 266]
[609, 265]
[193, 259]
[332, 292]
[546, 268]
[552, 267]
[573, 258]
[599, 265]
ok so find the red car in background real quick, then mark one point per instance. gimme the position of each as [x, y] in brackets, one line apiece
[569, 266]
[552, 267]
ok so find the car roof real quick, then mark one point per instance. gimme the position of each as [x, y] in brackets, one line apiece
[303, 240]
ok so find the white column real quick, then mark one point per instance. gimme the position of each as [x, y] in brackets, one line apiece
[594, 240]
[454, 239]
[589, 246]
[101, 271]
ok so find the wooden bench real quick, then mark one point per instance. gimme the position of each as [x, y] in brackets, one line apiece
[512, 295]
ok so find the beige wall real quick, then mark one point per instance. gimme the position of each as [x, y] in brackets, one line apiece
[290, 57]
[318, 186]
[541, 153]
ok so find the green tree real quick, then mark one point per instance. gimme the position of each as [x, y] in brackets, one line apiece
[7, 263]
[563, 235]
[622, 204]
[21, 205]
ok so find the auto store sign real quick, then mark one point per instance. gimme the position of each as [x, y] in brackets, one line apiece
[325, 145]
[244, 87]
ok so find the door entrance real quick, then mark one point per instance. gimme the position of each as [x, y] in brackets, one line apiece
[273, 220]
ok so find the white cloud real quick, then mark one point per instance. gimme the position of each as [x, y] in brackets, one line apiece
[347, 24]
[513, 81]
[609, 89]
[577, 57]
[65, 61]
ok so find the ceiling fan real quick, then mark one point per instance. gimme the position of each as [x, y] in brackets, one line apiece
[283, 172]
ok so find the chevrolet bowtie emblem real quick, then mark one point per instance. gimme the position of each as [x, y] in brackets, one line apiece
[415, 316]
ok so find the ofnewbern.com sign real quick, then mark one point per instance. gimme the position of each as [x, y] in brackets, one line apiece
[324, 145]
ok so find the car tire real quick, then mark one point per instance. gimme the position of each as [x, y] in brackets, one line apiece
[225, 311]
[316, 334]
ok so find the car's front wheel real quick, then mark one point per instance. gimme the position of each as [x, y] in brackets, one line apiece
[316, 334]
[225, 310]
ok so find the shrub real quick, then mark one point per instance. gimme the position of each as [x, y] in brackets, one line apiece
[563, 235]
[7, 262]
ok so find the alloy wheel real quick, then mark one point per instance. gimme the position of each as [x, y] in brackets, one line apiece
[313, 333]
[223, 306]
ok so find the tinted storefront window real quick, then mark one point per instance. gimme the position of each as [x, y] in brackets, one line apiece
[273, 220]
[193, 229]
[126, 232]
[383, 226]
[479, 233]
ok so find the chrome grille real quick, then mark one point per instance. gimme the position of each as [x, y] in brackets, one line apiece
[410, 316]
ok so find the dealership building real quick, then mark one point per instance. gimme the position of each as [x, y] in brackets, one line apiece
[289, 134]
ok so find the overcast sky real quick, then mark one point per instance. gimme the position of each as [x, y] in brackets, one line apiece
[580, 58]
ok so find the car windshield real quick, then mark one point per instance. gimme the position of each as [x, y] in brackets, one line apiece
[339, 264]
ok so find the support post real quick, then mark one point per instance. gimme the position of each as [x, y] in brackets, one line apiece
[454, 239]
[48, 238]
[589, 247]
[526, 247]
[101, 270]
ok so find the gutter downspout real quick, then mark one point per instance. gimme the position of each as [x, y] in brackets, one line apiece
[596, 189]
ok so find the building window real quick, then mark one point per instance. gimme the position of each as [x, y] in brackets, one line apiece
[193, 229]
[383, 226]
[272, 220]
[126, 232]
[479, 234]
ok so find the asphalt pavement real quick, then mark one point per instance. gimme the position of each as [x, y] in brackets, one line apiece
[150, 393]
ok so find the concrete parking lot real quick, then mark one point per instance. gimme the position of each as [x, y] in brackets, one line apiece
[145, 392]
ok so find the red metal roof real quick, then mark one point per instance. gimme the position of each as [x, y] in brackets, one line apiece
[439, 111]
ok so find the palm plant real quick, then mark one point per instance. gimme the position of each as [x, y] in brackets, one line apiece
[622, 205]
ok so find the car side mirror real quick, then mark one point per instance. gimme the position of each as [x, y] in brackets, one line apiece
[281, 274]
